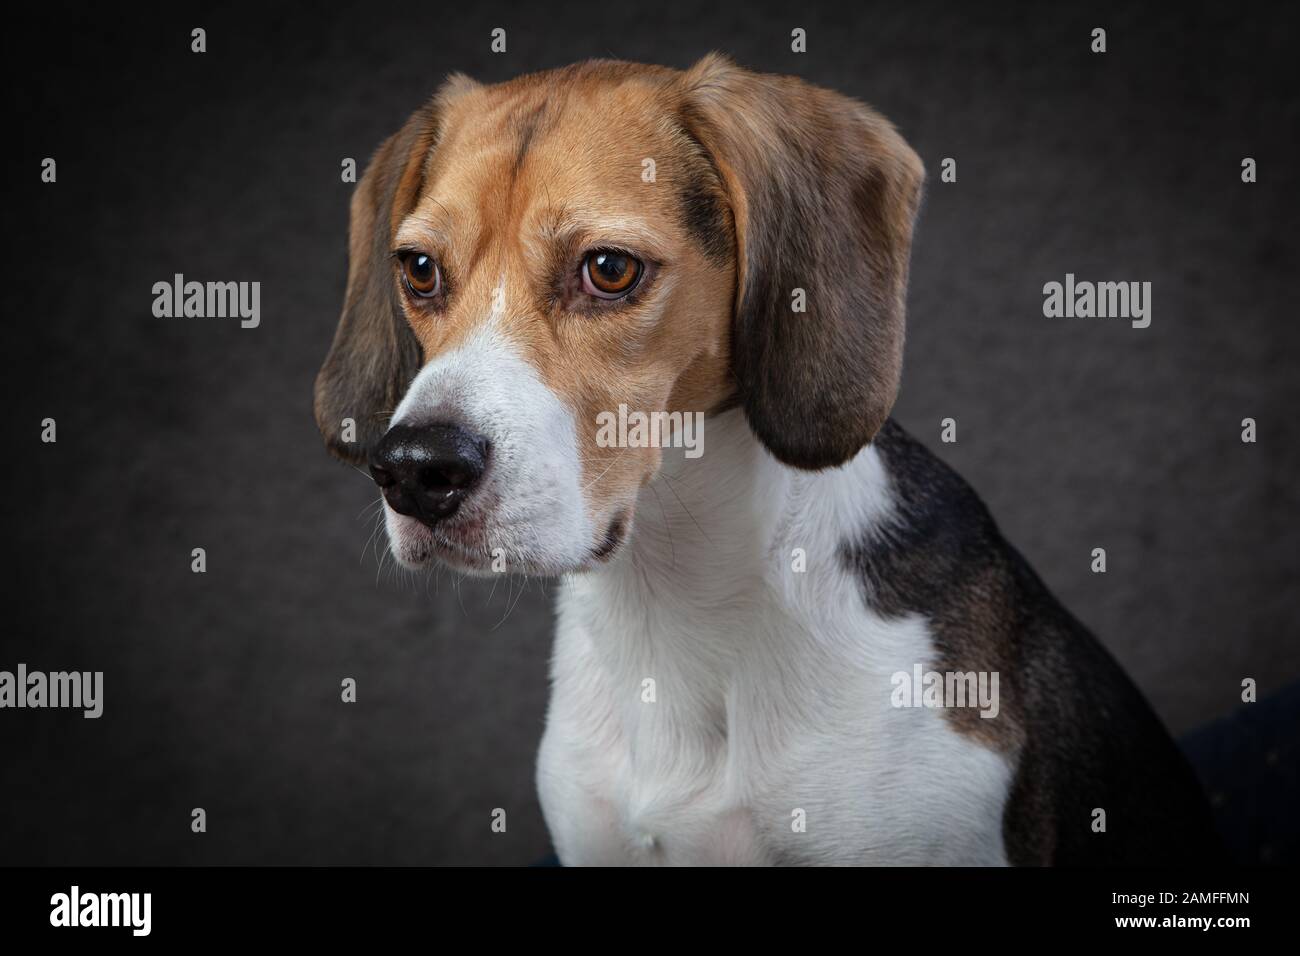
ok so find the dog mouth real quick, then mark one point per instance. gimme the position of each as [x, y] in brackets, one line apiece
[458, 542]
[467, 542]
[614, 537]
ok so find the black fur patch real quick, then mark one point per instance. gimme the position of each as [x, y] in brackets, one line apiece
[1080, 733]
[705, 213]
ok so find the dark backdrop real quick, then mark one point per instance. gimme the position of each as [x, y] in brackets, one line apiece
[222, 689]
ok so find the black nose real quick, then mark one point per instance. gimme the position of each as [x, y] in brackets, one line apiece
[427, 471]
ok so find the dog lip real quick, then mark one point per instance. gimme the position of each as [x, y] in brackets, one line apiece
[443, 548]
[447, 550]
[469, 528]
[613, 537]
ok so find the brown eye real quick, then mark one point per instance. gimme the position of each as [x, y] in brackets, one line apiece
[610, 275]
[421, 274]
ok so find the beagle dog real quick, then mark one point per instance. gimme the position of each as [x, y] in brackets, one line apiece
[747, 637]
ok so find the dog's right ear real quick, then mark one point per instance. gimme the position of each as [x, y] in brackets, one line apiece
[375, 354]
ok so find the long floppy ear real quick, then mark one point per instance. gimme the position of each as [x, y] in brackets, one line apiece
[375, 354]
[824, 192]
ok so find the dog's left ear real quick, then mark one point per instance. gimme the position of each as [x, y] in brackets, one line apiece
[375, 355]
[824, 192]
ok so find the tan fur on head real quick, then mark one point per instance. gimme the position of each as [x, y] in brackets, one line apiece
[762, 185]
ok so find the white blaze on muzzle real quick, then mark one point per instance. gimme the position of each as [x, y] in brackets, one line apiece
[528, 512]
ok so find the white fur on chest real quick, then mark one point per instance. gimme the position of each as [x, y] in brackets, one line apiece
[714, 704]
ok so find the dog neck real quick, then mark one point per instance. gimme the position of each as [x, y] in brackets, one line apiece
[726, 538]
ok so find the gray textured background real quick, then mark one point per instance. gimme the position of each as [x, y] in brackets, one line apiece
[223, 688]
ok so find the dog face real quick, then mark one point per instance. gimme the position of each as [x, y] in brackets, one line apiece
[527, 257]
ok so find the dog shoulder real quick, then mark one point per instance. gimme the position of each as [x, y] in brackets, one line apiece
[1081, 735]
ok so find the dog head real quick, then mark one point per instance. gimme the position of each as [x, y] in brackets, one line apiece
[529, 256]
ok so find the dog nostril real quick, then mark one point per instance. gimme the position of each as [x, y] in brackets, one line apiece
[382, 477]
[445, 478]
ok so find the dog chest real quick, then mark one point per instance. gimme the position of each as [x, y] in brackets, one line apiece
[779, 752]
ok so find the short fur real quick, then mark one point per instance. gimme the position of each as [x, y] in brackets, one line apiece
[729, 627]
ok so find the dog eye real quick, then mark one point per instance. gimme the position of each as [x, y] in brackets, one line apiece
[421, 274]
[610, 275]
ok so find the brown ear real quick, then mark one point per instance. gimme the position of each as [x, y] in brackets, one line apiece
[375, 354]
[824, 192]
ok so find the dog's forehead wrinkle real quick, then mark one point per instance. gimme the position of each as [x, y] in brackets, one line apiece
[560, 114]
[526, 123]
